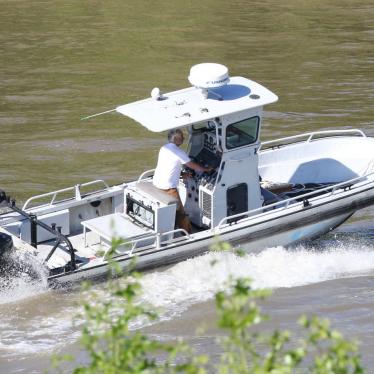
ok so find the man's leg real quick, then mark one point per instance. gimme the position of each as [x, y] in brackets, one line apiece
[182, 220]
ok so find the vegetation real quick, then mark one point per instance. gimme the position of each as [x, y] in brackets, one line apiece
[114, 346]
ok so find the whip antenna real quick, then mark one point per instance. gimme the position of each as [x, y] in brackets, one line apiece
[98, 114]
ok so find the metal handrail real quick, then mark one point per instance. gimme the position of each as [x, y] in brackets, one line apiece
[183, 231]
[285, 203]
[157, 240]
[54, 194]
[311, 135]
[370, 167]
[142, 176]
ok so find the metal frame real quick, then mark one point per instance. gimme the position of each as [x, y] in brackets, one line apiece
[157, 242]
[34, 222]
[144, 174]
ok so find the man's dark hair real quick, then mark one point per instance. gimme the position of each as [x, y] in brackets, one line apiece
[173, 133]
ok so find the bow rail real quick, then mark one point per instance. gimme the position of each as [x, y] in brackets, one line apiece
[308, 137]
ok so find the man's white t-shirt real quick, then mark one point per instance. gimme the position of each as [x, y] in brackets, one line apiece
[169, 166]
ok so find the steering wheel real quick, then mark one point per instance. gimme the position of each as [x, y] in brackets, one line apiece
[188, 171]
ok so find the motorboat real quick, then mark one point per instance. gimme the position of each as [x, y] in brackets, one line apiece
[258, 195]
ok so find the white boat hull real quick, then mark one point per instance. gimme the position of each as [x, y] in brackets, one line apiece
[167, 256]
[287, 229]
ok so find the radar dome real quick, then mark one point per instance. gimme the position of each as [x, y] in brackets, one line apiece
[209, 75]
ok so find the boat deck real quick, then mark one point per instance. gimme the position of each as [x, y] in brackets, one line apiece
[84, 253]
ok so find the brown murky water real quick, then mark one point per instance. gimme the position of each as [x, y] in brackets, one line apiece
[62, 60]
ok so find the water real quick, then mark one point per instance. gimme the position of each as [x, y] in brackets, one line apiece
[62, 60]
[336, 283]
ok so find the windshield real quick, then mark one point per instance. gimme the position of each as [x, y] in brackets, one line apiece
[242, 133]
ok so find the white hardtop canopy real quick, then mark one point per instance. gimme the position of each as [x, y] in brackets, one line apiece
[189, 106]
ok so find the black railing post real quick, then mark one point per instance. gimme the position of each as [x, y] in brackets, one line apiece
[33, 231]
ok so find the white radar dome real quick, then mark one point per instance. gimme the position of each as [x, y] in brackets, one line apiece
[209, 75]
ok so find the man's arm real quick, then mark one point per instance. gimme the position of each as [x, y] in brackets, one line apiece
[194, 166]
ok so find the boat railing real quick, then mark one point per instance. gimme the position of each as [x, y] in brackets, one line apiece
[77, 193]
[309, 137]
[146, 174]
[34, 224]
[370, 167]
[157, 244]
[287, 203]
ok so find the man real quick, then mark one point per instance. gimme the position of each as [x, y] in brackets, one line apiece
[168, 170]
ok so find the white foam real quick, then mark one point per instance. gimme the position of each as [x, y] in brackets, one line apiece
[21, 288]
[21, 285]
[38, 334]
[196, 280]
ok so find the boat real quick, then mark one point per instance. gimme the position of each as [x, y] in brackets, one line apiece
[259, 194]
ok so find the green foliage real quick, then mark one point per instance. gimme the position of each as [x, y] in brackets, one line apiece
[333, 354]
[114, 347]
[237, 312]
[221, 246]
[246, 351]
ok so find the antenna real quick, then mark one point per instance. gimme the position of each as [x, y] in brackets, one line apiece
[97, 114]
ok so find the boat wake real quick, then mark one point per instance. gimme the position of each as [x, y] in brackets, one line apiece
[21, 277]
[172, 291]
[197, 280]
